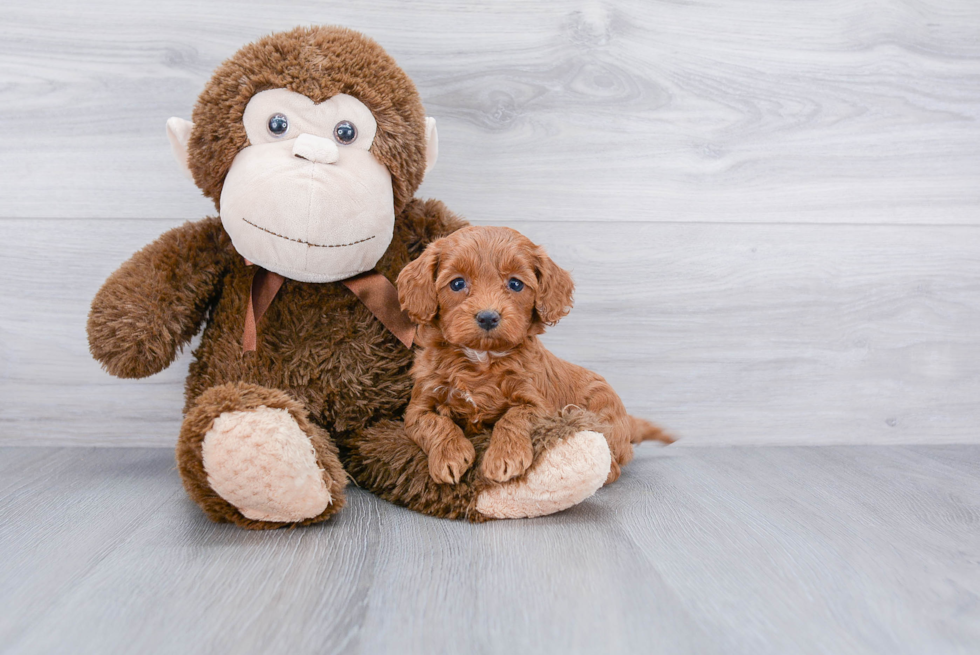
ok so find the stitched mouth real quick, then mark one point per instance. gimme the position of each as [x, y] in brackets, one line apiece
[314, 245]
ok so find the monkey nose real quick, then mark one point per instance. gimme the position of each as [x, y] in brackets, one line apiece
[315, 149]
[488, 319]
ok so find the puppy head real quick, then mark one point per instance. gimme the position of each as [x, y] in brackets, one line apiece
[486, 288]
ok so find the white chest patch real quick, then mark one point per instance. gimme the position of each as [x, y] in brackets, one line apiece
[460, 393]
[453, 392]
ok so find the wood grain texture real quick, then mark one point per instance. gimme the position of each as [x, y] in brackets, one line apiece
[839, 111]
[726, 334]
[714, 550]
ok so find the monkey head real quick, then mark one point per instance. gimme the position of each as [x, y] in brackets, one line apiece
[309, 142]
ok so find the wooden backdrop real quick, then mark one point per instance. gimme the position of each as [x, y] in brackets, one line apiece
[771, 209]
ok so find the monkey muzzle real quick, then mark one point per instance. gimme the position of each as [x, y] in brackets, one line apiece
[309, 209]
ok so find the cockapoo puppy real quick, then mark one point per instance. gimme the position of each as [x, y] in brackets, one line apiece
[481, 296]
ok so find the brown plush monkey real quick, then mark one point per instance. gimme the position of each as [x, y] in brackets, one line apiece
[312, 144]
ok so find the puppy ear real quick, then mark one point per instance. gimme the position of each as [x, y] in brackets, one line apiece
[417, 286]
[555, 287]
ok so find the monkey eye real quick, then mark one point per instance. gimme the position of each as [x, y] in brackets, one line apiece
[278, 124]
[514, 284]
[345, 132]
[458, 284]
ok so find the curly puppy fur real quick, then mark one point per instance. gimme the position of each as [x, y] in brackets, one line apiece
[482, 295]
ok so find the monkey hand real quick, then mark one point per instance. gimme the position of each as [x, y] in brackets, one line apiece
[156, 301]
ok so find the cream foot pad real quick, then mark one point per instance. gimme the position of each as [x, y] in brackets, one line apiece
[261, 462]
[567, 474]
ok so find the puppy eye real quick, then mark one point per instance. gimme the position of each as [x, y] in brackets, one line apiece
[458, 284]
[345, 132]
[514, 284]
[278, 124]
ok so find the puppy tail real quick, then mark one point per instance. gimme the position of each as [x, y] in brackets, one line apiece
[642, 430]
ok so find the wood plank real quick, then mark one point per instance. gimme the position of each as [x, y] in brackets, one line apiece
[726, 334]
[630, 110]
[82, 520]
[65, 512]
[567, 583]
[710, 550]
[837, 542]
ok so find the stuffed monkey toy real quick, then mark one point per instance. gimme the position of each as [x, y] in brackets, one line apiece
[311, 143]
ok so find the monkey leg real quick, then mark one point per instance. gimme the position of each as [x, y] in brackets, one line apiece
[249, 455]
[571, 461]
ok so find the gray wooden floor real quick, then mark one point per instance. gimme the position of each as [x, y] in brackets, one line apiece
[834, 549]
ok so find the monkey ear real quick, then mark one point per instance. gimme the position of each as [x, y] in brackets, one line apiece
[179, 133]
[417, 286]
[431, 143]
[555, 287]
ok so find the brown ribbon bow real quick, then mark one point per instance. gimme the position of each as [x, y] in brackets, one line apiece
[371, 288]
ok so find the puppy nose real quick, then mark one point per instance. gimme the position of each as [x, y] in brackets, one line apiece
[315, 149]
[488, 319]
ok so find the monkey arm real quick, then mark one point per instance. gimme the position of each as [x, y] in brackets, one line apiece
[156, 301]
[424, 221]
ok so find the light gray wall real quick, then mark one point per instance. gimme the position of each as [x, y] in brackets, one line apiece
[772, 209]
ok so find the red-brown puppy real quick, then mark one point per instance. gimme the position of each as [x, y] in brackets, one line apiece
[481, 296]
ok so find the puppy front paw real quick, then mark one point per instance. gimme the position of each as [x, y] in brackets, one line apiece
[449, 460]
[506, 459]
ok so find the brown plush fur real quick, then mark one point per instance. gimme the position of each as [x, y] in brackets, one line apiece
[470, 379]
[154, 303]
